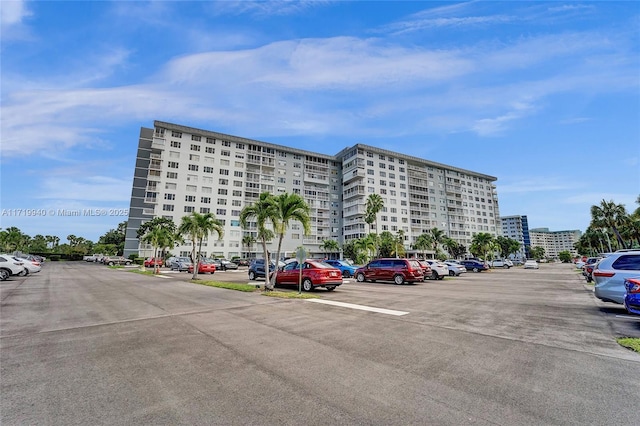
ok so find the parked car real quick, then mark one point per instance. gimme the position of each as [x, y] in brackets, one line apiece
[397, 270]
[256, 269]
[531, 264]
[455, 269]
[426, 269]
[151, 261]
[175, 259]
[227, 264]
[30, 266]
[610, 273]
[474, 265]
[632, 297]
[315, 273]
[205, 266]
[347, 269]
[241, 262]
[587, 268]
[182, 265]
[438, 269]
[9, 266]
[501, 263]
[116, 260]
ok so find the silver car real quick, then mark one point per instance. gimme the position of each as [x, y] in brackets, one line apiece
[609, 275]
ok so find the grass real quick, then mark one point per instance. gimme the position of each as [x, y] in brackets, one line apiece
[139, 271]
[230, 286]
[632, 343]
[115, 267]
[289, 295]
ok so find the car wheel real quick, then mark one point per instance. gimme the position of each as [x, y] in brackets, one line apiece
[127, 263]
[22, 273]
[346, 274]
[398, 279]
[451, 273]
[252, 275]
[360, 277]
[476, 270]
[331, 288]
[4, 274]
[110, 263]
[441, 277]
[434, 275]
[307, 285]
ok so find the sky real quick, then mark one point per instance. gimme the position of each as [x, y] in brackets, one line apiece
[545, 96]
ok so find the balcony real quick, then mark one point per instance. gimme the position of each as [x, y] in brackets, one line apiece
[158, 142]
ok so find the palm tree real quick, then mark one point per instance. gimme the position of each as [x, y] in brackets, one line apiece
[451, 246]
[330, 246]
[437, 237]
[265, 212]
[374, 205]
[423, 242]
[609, 215]
[290, 207]
[160, 232]
[399, 250]
[198, 227]
[482, 243]
[248, 240]
[368, 245]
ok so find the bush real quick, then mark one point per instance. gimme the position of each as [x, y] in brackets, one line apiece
[54, 257]
[133, 256]
[138, 260]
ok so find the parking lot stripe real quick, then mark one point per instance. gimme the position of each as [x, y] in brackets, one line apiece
[360, 307]
[628, 317]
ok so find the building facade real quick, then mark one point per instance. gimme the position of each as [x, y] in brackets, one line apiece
[180, 170]
[517, 228]
[554, 242]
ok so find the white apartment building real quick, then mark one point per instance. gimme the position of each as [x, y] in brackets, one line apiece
[554, 242]
[181, 169]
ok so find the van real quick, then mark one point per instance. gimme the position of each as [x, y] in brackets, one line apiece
[397, 270]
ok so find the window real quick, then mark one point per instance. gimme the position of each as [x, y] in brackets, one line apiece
[190, 198]
[189, 209]
[205, 200]
[193, 167]
[221, 212]
[237, 193]
[195, 138]
[211, 141]
[194, 157]
[172, 164]
[224, 172]
[175, 144]
[237, 174]
[206, 189]
[192, 188]
[223, 181]
[222, 201]
[170, 186]
[176, 134]
[205, 210]
[195, 147]
[225, 153]
[236, 203]
[209, 150]
[167, 207]
[172, 175]
[222, 191]
[169, 196]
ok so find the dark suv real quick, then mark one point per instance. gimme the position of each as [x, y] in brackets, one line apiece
[256, 268]
[399, 271]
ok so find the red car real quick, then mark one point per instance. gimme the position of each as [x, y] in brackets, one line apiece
[204, 268]
[314, 274]
[152, 261]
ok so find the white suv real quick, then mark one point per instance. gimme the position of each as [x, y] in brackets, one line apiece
[439, 270]
[502, 263]
[10, 266]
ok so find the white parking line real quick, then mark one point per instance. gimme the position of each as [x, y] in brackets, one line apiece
[360, 307]
[628, 317]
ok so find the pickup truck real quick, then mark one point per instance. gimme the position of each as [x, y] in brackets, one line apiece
[502, 263]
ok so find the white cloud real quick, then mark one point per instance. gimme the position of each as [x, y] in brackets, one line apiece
[80, 191]
[13, 12]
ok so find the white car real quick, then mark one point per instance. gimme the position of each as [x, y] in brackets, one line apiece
[10, 266]
[455, 268]
[531, 264]
[30, 266]
[439, 270]
[501, 263]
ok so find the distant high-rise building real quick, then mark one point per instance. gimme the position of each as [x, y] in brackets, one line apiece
[180, 170]
[517, 228]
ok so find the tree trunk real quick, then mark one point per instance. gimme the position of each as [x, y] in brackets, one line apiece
[195, 259]
[267, 282]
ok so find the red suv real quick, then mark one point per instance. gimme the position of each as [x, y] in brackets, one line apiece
[399, 271]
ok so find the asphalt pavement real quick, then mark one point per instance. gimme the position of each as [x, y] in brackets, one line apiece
[84, 344]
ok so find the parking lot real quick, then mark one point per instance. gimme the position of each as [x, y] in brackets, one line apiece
[84, 344]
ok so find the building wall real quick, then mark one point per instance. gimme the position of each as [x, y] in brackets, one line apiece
[181, 169]
[517, 228]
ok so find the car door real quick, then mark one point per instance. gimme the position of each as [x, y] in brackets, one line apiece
[288, 274]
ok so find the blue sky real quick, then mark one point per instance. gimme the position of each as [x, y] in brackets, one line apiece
[543, 95]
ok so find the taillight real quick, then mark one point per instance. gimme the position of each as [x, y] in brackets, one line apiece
[605, 274]
[632, 285]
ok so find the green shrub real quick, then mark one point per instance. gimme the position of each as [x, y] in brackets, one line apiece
[54, 257]
[133, 256]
